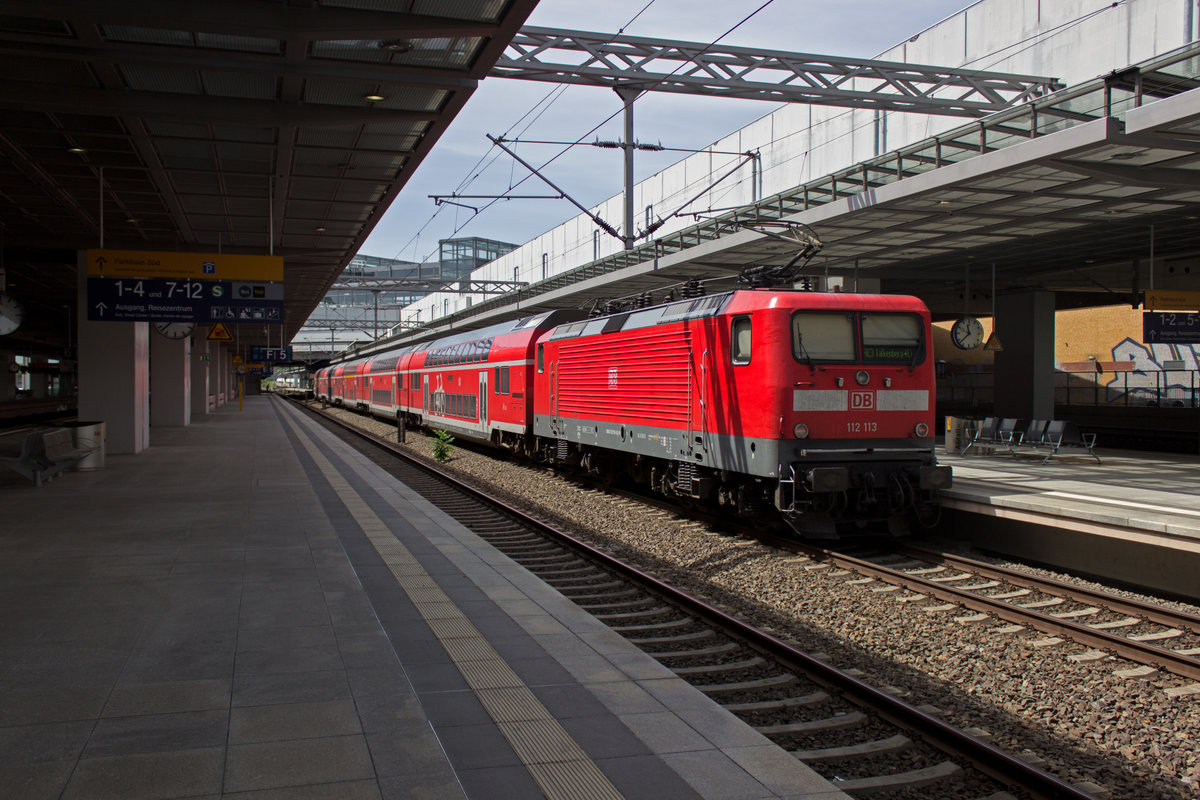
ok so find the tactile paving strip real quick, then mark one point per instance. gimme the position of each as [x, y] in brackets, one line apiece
[555, 761]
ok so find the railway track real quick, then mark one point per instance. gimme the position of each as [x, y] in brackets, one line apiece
[1150, 635]
[866, 740]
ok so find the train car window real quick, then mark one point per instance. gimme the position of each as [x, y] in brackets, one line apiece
[496, 382]
[891, 338]
[826, 337]
[740, 345]
[541, 358]
[504, 379]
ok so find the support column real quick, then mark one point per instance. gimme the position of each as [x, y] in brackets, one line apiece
[221, 370]
[201, 366]
[114, 379]
[170, 381]
[1024, 373]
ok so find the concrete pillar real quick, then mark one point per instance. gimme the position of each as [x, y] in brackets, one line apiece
[170, 380]
[200, 371]
[225, 367]
[1024, 373]
[114, 380]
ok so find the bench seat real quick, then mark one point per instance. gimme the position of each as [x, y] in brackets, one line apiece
[46, 454]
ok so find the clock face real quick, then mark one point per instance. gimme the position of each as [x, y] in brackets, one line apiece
[967, 333]
[12, 314]
[174, 330]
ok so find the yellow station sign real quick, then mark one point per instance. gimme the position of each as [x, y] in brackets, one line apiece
[1163, 300]
[219, 333]
[206, 266]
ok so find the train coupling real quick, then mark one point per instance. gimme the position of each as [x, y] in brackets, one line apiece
[936, 478]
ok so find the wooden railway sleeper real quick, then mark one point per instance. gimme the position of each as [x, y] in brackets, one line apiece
[848, 720]
[649, 613]
[615, 594]
[892, 744]
[772, 682]
[903, 780]
[714, 650]
[682, 622]
[599, 609]
[714, 669]
[779, 704]
[679, 638]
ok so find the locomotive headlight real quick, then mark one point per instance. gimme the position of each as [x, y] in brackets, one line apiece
[863, 377]
[922, 430]
[801, 430]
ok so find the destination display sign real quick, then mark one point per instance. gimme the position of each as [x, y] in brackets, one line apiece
[1170, 327]
[196, 301]
[260, 353]
[1164, 300]
[211, 266]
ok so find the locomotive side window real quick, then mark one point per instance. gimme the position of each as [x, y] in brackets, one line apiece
[740, 345]
[541, 358]
[823, 337]
[891, 338]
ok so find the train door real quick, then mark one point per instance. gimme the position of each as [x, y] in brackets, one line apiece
[483, 398]
[695, 422]
[555, 428]
[425, 402]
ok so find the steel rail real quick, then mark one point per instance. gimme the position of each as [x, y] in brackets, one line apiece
[1139, 652]
[1124, 605]
[985, 757]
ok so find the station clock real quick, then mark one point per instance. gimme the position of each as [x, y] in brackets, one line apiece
[174, 330]
[12, 314]
[967, 333]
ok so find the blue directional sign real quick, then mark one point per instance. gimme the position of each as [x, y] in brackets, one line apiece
[1171, 327]
[184, 300]
[260, 353]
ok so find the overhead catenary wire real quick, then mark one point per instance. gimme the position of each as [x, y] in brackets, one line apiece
[996, 55]
[492, 153]
[613, 115]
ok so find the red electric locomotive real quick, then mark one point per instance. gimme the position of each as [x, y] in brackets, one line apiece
[818, 405]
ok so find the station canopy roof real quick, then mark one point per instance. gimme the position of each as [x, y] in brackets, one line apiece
[235, 126]
[1071, 193]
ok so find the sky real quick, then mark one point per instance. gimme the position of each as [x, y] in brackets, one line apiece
[465, 162]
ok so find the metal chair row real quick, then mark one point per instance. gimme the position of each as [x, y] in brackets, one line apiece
[1053, 437]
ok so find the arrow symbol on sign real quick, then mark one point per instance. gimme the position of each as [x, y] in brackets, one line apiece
[101, 307]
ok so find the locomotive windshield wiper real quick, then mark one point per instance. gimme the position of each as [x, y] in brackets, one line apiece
[804, 350]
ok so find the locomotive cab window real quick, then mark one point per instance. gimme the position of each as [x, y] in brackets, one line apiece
[892, 338]
[824, 337]
[740, 340]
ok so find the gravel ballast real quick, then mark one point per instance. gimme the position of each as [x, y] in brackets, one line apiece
[1115, 736]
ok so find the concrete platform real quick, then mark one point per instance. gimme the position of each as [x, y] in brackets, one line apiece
[249, 609]
[1134, 517]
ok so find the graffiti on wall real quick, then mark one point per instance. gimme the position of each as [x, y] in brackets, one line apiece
[1150, 368]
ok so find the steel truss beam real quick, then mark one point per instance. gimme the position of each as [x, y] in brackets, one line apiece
[353, 325]
[657, 65]
[470, 286]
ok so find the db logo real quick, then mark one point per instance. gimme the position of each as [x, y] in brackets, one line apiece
[862, 401]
